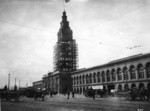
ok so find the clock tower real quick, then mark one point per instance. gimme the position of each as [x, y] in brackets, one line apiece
[65, 57]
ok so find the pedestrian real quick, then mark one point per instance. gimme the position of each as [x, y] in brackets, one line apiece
[72, 94]
[43, 94]
[68, 93]
[93, 93]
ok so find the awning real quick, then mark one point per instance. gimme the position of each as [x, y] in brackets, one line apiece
[97, 87]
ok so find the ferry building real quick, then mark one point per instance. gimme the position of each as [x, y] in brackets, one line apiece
[121, 74]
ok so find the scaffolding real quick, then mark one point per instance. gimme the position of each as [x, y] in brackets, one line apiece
[65, 56]
[65, 51]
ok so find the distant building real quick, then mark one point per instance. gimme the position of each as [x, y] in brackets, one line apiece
[48, 81]
[121, 74]
[38, 85]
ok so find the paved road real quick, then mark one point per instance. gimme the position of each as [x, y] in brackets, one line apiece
[80, 103]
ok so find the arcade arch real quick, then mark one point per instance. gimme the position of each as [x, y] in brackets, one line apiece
[148, 70]
[140, 70]
[132, 72]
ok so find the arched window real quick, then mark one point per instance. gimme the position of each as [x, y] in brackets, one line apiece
[80, 81]
[133, 86]
[83, 79]
[74, 80]
[77, 80]
[103, 76]
[132, 72]
[113, 75]
[90, 77]
[87, 79]
[108, 75]
[120, 87]
[94, 77]
[148, 70]
[125, 73]
[140, 69]
[141, 86]
[119, 74]
[77, 90]
[98, 77]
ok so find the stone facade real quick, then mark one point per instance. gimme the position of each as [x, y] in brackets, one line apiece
[38, 85]
[133, 71]
[57, 82]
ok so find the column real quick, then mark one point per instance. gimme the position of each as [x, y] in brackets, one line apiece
[116, 77]
[144, 70]
[111, 77]
[85, 80]
[105, 78]
[129, 75]
[92, 79]
[136, 73]
[122, 76]
[101, 78]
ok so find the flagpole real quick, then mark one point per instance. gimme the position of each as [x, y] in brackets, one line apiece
[63, 4]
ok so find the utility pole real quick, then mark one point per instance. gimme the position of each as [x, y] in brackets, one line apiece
[19, 84]
[8, 81]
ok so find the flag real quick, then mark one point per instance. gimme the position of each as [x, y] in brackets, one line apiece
[67, 1]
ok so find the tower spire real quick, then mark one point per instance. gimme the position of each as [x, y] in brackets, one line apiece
[64, 17]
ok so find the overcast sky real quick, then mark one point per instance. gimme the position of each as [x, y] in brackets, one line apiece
[103, 30]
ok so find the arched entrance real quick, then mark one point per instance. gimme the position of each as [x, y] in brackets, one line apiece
[80, 90]
[77, 90]
[126, 87]
[74, 90]
[111, 87]
[133, 86]
[141, 85]
[83, 90]
[87, 88]
[120, 87]
[104, 87]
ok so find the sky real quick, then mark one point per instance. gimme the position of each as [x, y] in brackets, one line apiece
[104, 30]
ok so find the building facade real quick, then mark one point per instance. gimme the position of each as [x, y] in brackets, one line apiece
[65, 60]
[65, 50]
[38, 85]
[122, 74]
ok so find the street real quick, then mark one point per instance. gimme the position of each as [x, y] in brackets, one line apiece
[79, 103]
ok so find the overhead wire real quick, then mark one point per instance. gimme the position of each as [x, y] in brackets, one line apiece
[109, 21]
[113, 18]
[77, 37]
